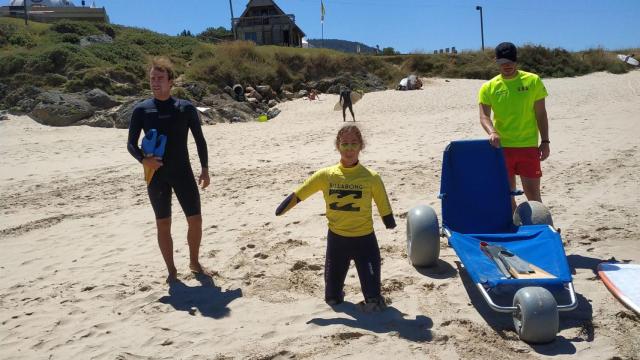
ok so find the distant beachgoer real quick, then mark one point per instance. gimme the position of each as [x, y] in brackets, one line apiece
[348, 189]
[172, 118]
[345, 99]
[517, 99]
[313, 95]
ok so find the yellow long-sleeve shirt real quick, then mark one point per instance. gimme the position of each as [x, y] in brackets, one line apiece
[348, 193]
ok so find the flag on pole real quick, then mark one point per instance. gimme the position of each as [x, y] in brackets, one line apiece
[321, 11]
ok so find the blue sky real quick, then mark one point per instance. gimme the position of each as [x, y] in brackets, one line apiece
[409, 25]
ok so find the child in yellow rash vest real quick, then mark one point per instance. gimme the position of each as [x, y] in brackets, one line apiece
[348, 189]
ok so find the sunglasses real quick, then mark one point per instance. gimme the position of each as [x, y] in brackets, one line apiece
[354, 146]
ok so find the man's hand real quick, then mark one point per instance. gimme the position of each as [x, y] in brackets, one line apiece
[494, 139]
[152, 162]
[544, 151]
[204, 179]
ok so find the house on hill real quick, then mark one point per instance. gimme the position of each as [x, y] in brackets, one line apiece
[53, 10]
[264, 23]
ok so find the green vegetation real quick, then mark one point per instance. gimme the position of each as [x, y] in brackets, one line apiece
[51, 56]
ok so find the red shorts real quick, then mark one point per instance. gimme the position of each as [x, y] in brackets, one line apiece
[523, 161]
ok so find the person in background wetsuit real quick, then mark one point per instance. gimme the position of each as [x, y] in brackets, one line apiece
[173, 118]
[345, 99]
[348, 189]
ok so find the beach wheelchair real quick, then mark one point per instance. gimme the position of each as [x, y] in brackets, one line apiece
[518, 254]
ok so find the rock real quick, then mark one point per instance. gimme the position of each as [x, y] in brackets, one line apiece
[249, 90]
[95, 39]
[211, 117]
[287, 95]
[4, 115]
[196, 89]
[4, 89]
[264, 90]
[228, 90]
[256, 95]
[272, 103]
[122, 116]
[234, 115]
[334, 89]
[12, 98]
[273, 112]
[301, 93]
[103, 119]
[57, 109]
[26, 105]
[217, 100]
[100, 99]
[252, 100]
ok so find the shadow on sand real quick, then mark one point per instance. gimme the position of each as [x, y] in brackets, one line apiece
[207, 299]
[442, 270]
[389, 320]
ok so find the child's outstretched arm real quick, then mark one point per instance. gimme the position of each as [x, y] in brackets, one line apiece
[286, 205]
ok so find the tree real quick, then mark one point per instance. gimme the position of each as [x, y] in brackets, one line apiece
[186, 33]
[218, 34]
[389, 51]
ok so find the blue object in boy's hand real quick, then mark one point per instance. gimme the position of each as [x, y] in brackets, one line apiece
[153, 144]
[148, 144]
[160, 144]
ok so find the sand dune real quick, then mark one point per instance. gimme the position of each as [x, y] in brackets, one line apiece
[83, 277]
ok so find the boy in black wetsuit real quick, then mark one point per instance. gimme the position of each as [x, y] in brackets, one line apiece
[173, 118]
[345, 99]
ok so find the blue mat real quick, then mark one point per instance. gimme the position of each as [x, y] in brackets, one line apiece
[537, 244]
[476, 207]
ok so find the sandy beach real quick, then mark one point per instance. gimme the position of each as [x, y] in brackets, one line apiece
[83, 278]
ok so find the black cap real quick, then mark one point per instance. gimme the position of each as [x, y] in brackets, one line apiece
[506, 52]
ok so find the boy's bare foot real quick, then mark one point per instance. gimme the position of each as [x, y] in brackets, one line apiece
[173, 277]
[198, 269]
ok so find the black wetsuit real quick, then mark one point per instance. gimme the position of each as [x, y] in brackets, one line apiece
[173, 118]
[364, 252]
[345, 97]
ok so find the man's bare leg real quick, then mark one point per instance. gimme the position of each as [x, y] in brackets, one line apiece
[531, 187]
[166, 247]
[194, 237]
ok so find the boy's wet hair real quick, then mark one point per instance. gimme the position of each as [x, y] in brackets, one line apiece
[163, 64]
[349, 129]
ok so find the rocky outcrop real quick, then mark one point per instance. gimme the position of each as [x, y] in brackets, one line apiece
[95, 39]
[58, 109]
[117, 117]
[21, 100]
[100, 99]
[4, 115]
[225, 109]
[234, 104]
[366, 82]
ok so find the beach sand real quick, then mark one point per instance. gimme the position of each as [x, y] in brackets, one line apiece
[83, 278]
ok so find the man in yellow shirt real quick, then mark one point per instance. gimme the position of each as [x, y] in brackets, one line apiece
[516, 98]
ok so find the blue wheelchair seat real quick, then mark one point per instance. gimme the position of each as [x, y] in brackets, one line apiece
[476, 207]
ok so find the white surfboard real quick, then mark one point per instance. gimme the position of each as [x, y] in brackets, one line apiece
[628, 59]
[622, 281]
